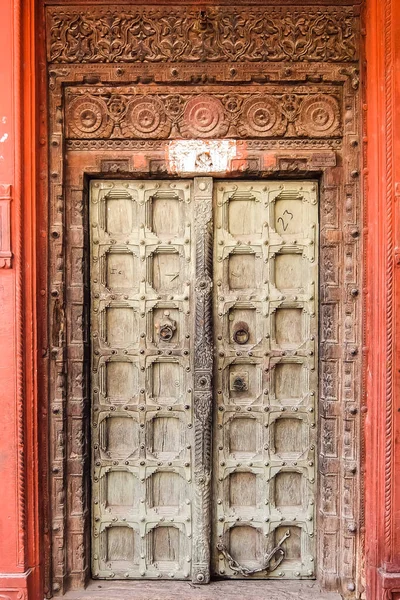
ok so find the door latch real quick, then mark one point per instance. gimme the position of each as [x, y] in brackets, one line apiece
[272, 560]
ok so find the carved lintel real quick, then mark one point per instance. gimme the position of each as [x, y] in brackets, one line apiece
[297, 35]
[203, 368]
[5, 226]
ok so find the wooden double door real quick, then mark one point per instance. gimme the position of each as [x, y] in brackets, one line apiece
[204, 358]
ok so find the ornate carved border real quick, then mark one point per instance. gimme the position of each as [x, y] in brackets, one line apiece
[174, 35]
[285, 112]
[203, 377]
[334, 160]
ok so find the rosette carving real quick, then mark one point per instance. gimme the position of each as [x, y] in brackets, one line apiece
[261, 116]
[204, 117]
[87, 117]
[117, 113]
[319, 117]
[146, 118]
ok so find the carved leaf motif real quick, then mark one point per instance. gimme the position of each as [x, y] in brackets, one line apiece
[229, 34]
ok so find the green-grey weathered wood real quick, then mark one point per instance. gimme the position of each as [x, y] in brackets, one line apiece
[142, 257]
[266, 328]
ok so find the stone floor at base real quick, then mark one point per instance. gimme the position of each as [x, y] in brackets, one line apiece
[217, 590]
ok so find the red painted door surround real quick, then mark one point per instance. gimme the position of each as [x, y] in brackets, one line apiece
[23, 300]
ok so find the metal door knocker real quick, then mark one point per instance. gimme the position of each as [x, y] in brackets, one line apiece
[241, 332]
[166, 328]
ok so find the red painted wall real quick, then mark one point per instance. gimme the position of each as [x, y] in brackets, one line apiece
[23, 296]
[19, 515]
[383, 299]
[10, 557]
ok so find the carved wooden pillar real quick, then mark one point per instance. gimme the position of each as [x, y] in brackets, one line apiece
[203, 369]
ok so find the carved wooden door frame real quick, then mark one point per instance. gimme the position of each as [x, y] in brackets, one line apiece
[312, 132]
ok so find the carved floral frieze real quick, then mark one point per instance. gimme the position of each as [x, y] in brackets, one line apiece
[109, 113]
[176, 34]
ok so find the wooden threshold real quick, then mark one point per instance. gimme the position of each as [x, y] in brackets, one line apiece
[217, 590]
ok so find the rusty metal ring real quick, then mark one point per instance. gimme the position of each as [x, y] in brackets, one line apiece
[166, 333]
[241, 336]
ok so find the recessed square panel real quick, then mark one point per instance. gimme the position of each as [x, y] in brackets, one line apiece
[290, 437]
[243, 437]
[121, 381]
[121, 323]
[121, 215]
[166, 491]
[122, 490]
[166, 382]
[289, 272]
[120, 436]
[244, 217]
[166, 326]
[121, 271]
[166, 436]
[288, 216]
[288, 326]
[242, 489]
[288, 382]
[166, 546]
[292, 545]
[166, 271]
[166, 217]
[246, 545]
[288, 490]
[242, 271]
[244, 382]
[123, 546]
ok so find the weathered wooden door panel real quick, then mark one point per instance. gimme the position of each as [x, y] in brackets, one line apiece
[266, 326]
[141, 299]
[152, 360]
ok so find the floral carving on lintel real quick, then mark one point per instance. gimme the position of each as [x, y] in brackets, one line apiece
[172, 34]
[104, 115]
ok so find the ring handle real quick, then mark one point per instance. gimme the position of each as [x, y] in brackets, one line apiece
[241, 333]
[166, 328]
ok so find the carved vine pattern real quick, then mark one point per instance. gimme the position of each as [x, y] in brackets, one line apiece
[175, 35]
[203, 369]
[112, 113]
